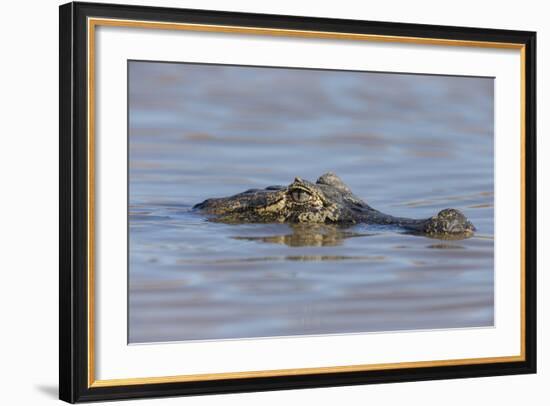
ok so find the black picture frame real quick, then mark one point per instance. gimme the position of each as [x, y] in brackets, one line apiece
[74, 385]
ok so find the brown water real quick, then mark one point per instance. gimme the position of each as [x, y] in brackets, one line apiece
[410, 145]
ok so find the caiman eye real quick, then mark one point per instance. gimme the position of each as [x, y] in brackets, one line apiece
[300, 196]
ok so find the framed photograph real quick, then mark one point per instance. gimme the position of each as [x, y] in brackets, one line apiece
[256, 202]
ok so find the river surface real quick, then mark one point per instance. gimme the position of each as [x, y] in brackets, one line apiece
[410, 145]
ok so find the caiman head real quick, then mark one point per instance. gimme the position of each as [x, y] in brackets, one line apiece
[328, 200]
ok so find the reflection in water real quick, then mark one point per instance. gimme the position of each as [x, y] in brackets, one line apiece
[327, 235]
[286, 258]
[446, 246]
[308, 235]
[409, 145]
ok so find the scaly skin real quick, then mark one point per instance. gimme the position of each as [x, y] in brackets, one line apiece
[328, 201]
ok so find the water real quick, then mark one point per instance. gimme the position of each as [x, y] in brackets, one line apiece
[410, 145]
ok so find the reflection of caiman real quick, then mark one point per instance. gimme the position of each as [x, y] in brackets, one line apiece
[307, 235]
[329, 201]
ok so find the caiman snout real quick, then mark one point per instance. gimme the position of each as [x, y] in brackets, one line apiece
[449, 221]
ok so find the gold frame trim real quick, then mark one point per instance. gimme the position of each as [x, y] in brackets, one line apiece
[94, 22]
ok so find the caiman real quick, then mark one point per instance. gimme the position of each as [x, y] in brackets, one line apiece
[328, 201]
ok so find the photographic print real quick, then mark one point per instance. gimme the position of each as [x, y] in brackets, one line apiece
[274, 202]
[254, 202]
